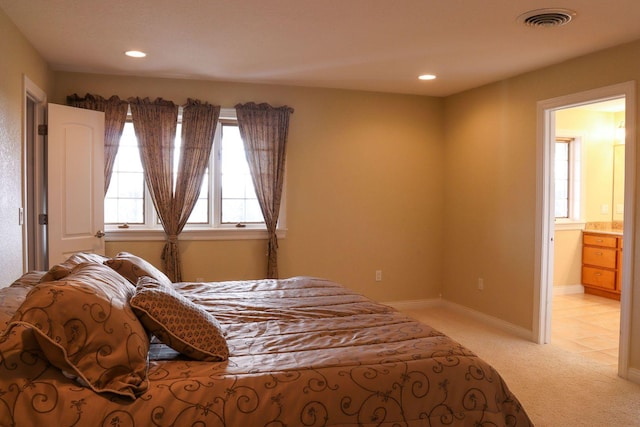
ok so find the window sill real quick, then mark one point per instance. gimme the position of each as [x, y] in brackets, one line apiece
[146, 235]
[569, 225]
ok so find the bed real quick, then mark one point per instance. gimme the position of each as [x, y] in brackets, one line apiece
[99, 341]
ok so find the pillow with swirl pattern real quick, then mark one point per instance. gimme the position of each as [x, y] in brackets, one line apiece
[84, 325]
[62, 270]
[133, 267]
[179, 322]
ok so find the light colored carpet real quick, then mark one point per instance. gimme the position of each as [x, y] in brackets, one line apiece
[556, 387]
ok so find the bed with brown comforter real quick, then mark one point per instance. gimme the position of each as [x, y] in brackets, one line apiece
[303, 351]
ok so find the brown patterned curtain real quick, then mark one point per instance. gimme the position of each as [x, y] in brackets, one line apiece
[264, 130]
[155, 126]
[115, 115]
[198, 128]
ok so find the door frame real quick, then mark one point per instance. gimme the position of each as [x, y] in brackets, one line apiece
[33, 178]
[543, 280]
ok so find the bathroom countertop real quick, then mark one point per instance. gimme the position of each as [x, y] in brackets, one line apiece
[612, 231]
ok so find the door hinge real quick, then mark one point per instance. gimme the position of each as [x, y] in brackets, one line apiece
[43, 219]
[43, 130]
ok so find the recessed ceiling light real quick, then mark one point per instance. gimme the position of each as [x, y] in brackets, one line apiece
[427, 77]
[135, 54]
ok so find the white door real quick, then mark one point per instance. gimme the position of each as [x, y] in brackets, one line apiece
[75, 184]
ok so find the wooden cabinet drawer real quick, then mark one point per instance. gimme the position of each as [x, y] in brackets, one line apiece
[600, 240]
[600, 278]
[601, 264]
[601, 257]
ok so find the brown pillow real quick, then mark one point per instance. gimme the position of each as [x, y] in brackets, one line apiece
[62, 270]
[133, 267]
[11, 297]
[178, 322]
[84, 325]
[30, 278]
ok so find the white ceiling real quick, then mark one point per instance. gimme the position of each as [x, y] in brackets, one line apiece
[377, 45]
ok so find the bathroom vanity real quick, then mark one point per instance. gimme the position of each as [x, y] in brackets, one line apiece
[602, 263]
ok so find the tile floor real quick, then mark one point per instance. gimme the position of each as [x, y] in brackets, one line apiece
[587, 324]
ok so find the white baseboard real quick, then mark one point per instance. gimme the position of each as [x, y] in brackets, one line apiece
[485, 318]
[568, 290]
[633, 375]
[490, 320]
[419, 304]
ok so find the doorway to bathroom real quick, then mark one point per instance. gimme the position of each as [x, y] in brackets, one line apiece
[588, 201]
[557, 123]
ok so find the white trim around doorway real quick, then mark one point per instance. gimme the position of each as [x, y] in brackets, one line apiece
[543, 280]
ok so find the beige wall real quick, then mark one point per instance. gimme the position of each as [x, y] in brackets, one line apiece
[489, 203]
[597, 131]
[364, 186]
[567, 262]
[18, 59]
[490, 184]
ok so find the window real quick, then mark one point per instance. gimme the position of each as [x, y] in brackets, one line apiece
[563, 168]
[567, 179]
[227, 199]
[124, 202]
[239, 201]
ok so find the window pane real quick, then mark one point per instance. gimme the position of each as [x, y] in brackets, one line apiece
[119, 211]
[232, 211]
[176, 153]
[249, 189]
[204, 189]
[124, 201]
[562, 179]
[200, 213]
[113, 187]
[233, 186]
[253, 212]
[201, 210]
[239, 201]
[129, 185]
[110, 211]
[128, 159]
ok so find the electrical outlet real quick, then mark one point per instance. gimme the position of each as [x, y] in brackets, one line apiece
[480, 284]
[378, 275]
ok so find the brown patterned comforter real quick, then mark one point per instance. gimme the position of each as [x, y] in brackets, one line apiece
[303, 352]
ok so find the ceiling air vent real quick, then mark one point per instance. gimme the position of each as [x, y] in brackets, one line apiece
[547, 17]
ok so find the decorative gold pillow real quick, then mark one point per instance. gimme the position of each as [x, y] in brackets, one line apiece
[62, 270]
[133, 267]
[178, 322]
[84, 325]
